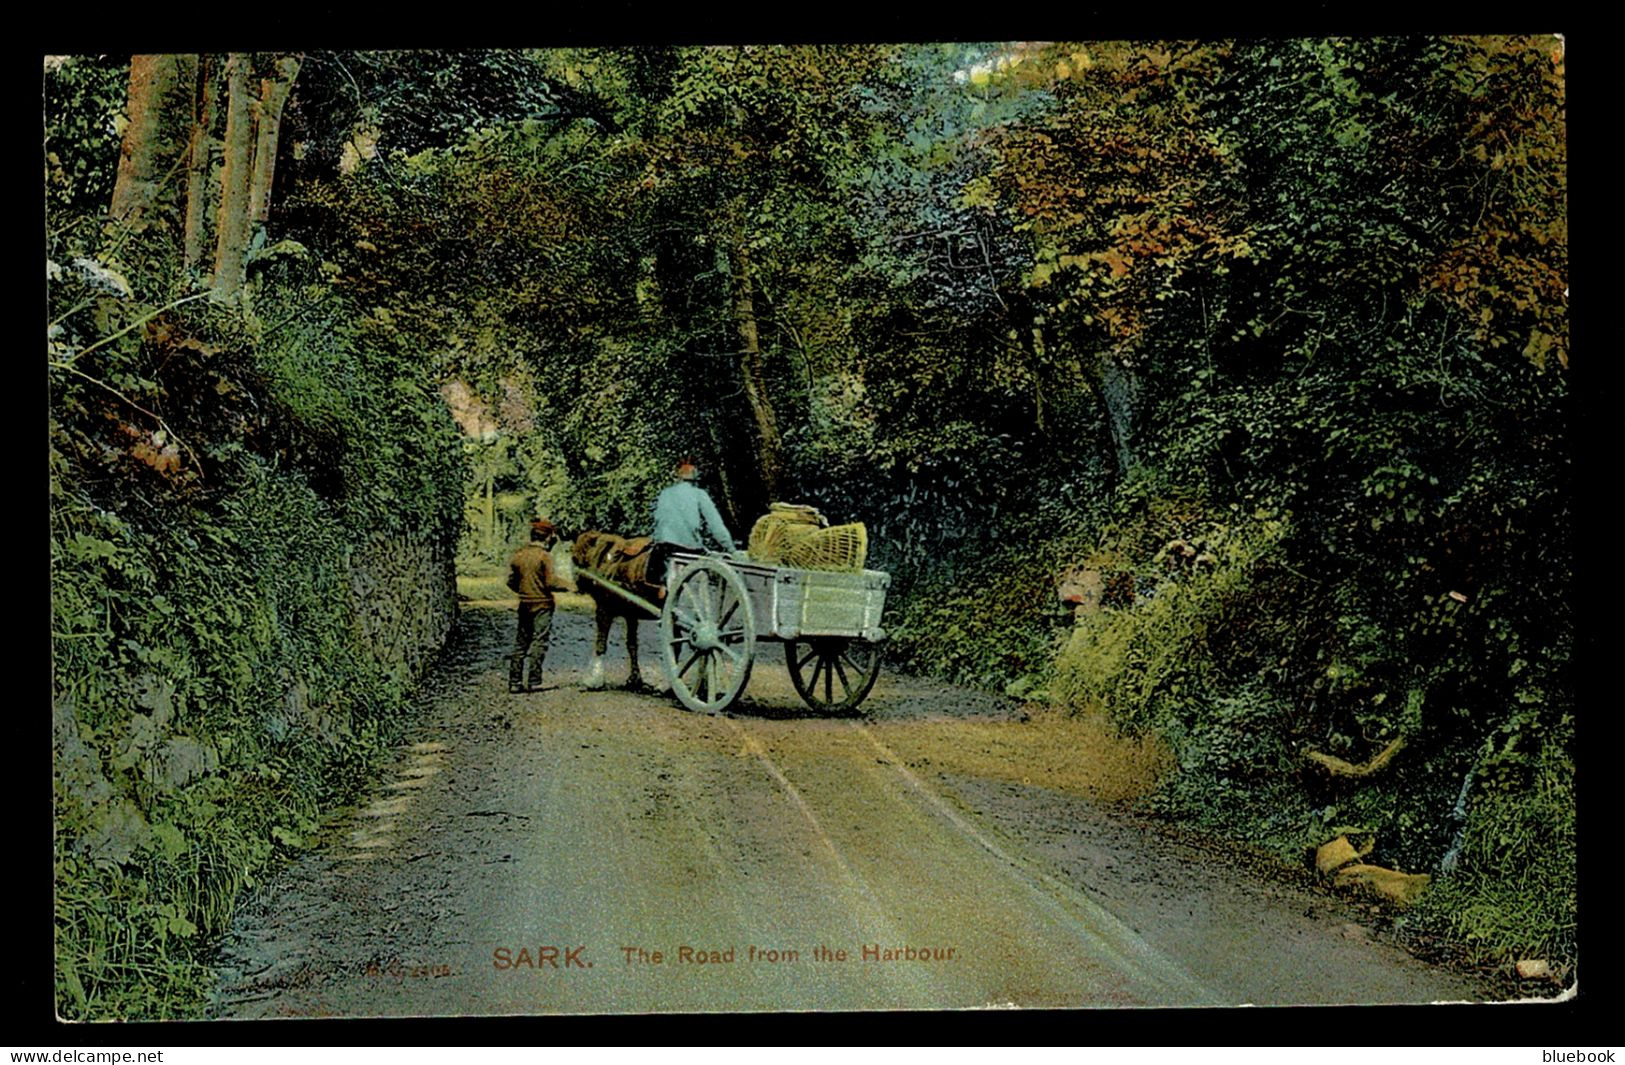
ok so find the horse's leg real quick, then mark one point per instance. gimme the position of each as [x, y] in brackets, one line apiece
[634, 678]
[602, 619]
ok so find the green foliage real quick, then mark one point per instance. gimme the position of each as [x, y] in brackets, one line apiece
[1338, 291]
[84, 104]
[1236, 770]
[990, 625]
[1176, 628]
[408, 102]
[1513, 891]
[240, 617]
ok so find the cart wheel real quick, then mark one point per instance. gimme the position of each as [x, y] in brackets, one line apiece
[832, 673]
[707, 635]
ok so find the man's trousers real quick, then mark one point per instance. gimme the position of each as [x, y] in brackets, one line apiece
[535, 631]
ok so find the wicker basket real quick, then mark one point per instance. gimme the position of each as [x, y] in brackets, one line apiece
[841, 548]
[783, 524]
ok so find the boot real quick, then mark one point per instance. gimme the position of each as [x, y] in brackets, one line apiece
[516, 674]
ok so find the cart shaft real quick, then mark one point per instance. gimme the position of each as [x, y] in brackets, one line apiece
[606, 583]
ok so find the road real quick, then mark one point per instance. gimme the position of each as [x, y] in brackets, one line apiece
[581, 852]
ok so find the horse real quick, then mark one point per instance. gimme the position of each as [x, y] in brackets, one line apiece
[624, 561]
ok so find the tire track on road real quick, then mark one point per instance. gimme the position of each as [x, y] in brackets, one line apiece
[1095, 938]
[1125, 948]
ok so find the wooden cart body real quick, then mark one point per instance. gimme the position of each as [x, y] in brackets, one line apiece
[717, 608]
[789, 603]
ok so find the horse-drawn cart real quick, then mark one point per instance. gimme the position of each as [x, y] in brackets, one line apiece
[718, 608]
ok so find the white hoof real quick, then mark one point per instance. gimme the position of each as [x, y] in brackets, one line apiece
[595, 676]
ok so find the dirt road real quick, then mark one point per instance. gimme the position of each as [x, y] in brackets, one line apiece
[588, 852]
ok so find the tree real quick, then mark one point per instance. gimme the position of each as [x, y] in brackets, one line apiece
[201, 143]
[273, 96]
[231, 228]
[147, 156]
[249, 149]
[1126, 191]
[738, 144]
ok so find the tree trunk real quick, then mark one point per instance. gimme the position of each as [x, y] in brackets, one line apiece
[719, 446]
[1120, 395]
[148, 147]
[751, 374]
[197, 161]
[490, 511]
[231, 228]
[1033, 344]
[267, 125]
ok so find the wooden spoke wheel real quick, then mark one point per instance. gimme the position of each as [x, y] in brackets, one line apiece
[832, 673]
[707, 635]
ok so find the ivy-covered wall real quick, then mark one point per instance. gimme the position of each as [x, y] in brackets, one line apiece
[240, 602]
[222, 678]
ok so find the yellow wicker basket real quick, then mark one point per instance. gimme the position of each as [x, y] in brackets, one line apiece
[842, 548]
[780, 526]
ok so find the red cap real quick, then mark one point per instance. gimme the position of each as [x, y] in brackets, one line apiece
[541, 525]
[686, 470]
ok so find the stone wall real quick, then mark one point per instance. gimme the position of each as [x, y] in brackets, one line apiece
[402, 605]
[404, 596]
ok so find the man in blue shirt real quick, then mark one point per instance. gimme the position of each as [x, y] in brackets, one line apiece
[684, 514]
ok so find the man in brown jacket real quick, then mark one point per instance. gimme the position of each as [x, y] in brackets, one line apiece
[531, 577]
